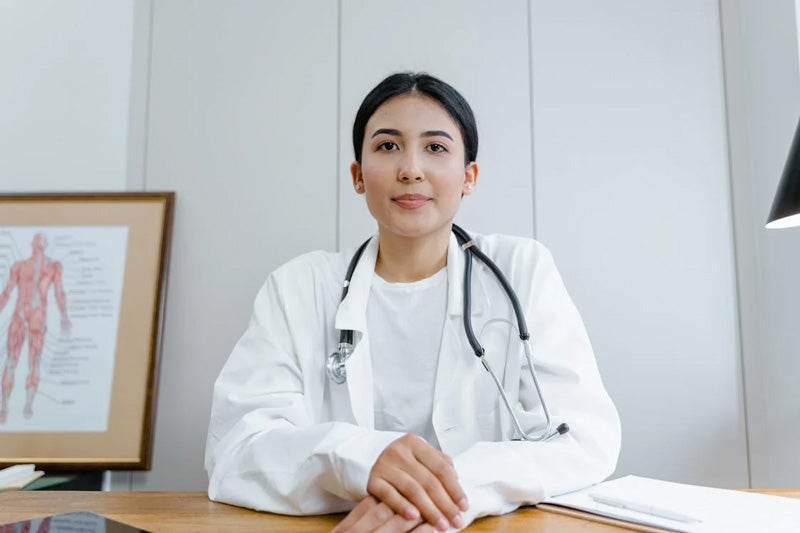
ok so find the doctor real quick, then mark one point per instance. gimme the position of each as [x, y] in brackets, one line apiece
[417, 437]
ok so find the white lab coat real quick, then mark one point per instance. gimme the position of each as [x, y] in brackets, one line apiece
[284, 438]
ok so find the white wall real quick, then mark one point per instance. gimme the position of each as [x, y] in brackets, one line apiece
[763, 87]
[633, 198]
[443, 43]
[64, 94]
[602, 133]
[231, 131]
[604, 147]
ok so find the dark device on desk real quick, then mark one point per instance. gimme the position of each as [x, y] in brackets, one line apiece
[76, 522]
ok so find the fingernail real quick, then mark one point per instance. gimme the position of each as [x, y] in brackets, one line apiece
[411, 513]
[442, 525]
[457, 521]
[463, 504]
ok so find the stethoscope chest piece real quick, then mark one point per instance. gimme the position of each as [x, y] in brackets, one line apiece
[335, 365]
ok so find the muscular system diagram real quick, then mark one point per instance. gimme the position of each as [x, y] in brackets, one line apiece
[59, 320]
[32, 278]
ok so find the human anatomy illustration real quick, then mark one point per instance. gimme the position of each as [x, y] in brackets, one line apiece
[59, 317]
[32, 278]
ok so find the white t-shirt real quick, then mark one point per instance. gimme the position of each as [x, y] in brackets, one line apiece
[405, 322]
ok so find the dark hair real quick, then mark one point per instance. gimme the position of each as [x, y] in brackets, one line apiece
[419, 83]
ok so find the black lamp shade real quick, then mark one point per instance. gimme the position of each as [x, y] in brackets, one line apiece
[785, 210]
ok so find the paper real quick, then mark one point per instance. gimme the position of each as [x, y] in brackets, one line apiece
[11, 473]
[22, 482]
[17, 476]
[717, 509]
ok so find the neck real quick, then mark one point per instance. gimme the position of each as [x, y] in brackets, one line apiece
[407, 259]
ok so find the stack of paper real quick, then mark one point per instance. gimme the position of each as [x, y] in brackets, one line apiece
[678, 507]
[17, 476]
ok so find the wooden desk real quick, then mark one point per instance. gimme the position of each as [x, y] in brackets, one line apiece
[192, 511]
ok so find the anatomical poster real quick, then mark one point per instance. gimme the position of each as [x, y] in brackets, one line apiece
[61, 288]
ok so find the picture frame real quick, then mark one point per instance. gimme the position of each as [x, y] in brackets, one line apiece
[82, 294]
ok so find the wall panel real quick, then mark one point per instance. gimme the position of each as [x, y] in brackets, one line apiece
[242, 125]
[763, 88]
[479, 49]
[633, 199]
[64, 91]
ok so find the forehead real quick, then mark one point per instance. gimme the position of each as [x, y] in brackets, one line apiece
[412, 113]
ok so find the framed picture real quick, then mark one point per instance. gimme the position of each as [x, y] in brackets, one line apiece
[82, 286]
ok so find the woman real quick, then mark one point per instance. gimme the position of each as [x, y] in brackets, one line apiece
[417, 436]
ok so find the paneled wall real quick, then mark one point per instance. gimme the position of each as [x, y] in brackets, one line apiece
[64, 94]
[603, 134]
[242, 124]
[633, 198]
[479, 49]
[763, 81]
[600, 133]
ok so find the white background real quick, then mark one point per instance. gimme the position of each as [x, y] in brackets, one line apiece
[640, 140]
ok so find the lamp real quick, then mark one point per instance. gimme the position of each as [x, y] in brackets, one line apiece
[785, 210]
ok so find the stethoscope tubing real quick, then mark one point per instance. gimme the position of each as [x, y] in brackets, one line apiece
[335, 364]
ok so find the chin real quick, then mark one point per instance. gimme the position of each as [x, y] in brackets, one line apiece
[416, 231]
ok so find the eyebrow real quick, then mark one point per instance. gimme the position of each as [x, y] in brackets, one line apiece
[396, 133]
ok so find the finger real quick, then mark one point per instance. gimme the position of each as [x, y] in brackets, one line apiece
[442, 467]
[447, 509]
[420, 487]
[386, 493]
[404, 465]
[375, 517]
[398, 524]
[423, 528]
[355, 514]
[444, 488]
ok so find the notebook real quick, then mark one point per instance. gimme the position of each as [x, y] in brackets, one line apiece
[644, 504]
[79, 521]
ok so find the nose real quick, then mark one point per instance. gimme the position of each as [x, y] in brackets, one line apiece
[410, 169]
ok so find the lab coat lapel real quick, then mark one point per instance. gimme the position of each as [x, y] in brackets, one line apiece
[352, 314]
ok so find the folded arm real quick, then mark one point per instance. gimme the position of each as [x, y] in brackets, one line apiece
[265, 450]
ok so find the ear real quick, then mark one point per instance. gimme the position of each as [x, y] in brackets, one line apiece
[358, 180]
[470, 178]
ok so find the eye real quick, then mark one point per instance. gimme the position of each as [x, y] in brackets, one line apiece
[387, 146]
[437, 148]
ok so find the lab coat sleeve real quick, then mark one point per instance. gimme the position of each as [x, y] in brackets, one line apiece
[500, 476]
[264, 449]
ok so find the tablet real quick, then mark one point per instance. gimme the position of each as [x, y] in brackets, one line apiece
[75, 522]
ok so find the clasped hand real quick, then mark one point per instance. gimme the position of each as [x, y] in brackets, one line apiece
[413, 487]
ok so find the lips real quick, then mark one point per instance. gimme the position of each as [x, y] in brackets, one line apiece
[411, 201]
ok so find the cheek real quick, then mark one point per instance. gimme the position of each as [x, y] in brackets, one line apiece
[368, 171]
[454, 178]
[375, 167]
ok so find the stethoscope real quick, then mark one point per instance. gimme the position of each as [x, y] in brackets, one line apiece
[335, 364]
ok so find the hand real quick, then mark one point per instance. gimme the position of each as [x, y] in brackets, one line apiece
[413, 478]
[372, 515]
